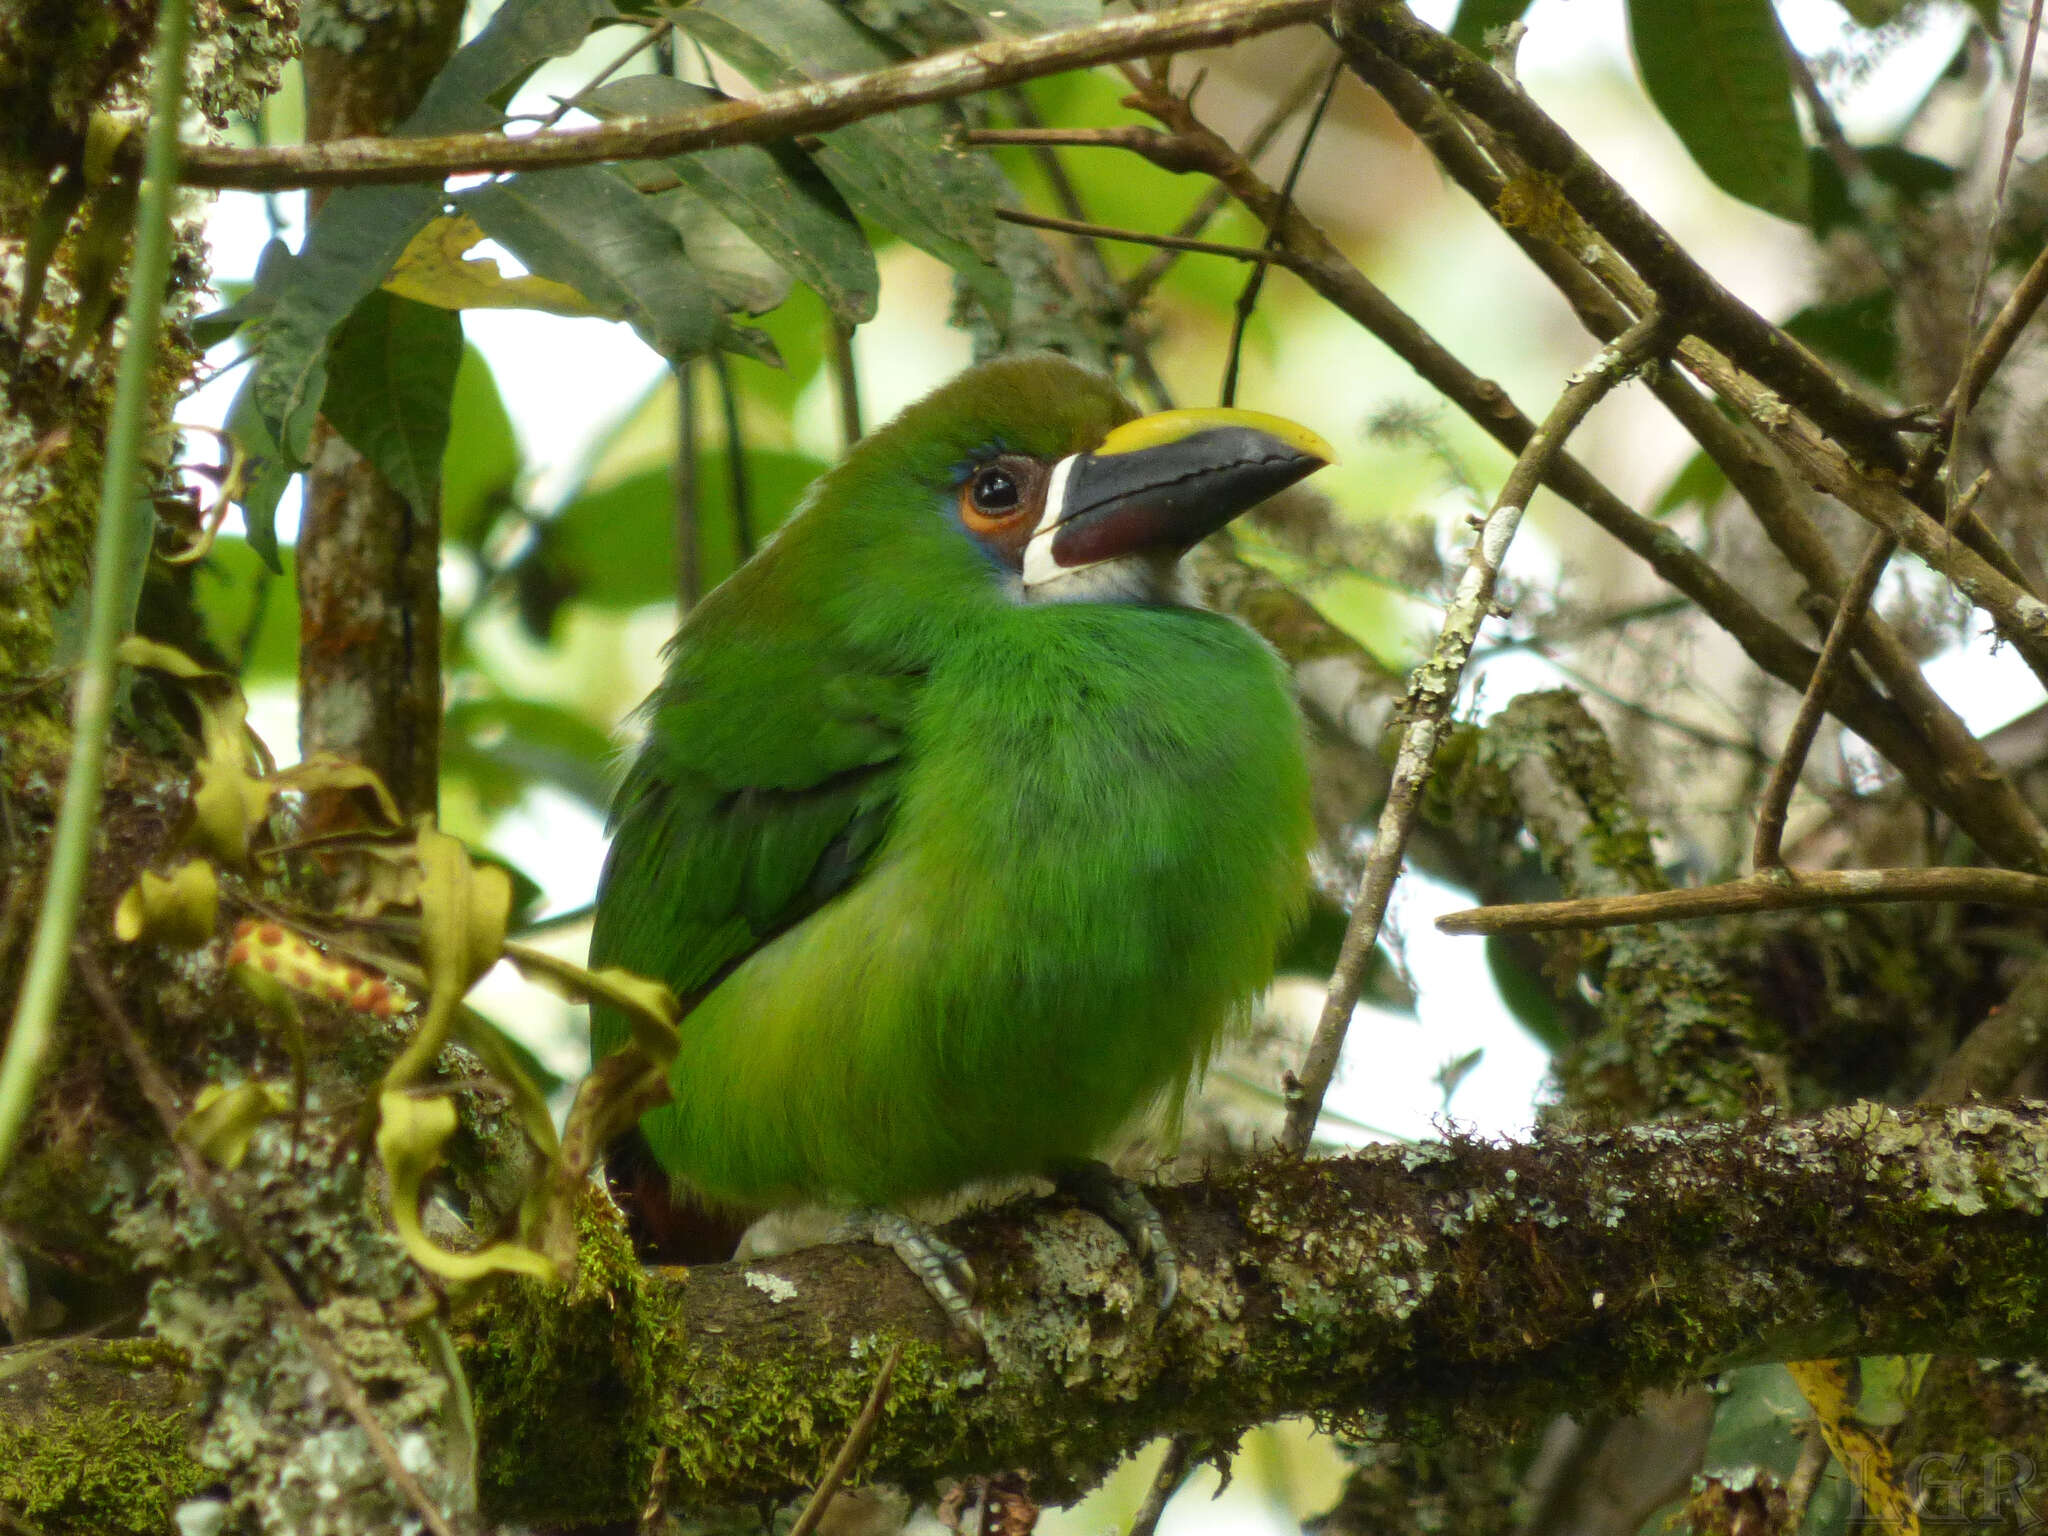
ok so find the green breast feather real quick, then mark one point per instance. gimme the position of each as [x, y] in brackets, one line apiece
[953, 885]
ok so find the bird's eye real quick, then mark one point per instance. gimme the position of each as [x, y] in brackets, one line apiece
[994, 491]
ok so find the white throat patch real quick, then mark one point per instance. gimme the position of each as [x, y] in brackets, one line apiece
[1141, 578]
[1040, 569]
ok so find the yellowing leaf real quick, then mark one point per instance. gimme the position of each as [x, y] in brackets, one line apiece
[433, 270]
[410, 1135]
[1862, 1454]
[179, 909]
[649, 1006]
[323, 770]
[223, 1119]
[229, 798]
[134, 651]
[463, 910]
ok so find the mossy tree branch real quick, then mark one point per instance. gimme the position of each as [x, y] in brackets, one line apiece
[1473, 1286]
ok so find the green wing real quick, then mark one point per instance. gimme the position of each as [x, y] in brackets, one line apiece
[765, 784]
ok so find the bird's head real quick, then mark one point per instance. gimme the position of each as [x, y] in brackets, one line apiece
[1038, 474]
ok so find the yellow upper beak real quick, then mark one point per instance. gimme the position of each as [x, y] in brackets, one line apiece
[1172, 426]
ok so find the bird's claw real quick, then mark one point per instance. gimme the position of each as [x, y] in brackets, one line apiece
[1123, 1204]
[940, 1268]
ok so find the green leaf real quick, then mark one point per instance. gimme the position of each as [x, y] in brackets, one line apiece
[391, 371]
[1859, 333]
[741, 276]
[250, 609]
[482, 461]
[1760, 1420]
[360, 231]
[1476, 18]
[505, 744]
[797, 331]
[1913, 178]
[1528, 997]
[265, 476]
[1716, 70]
[256, 299]
[354, 239]
[1699, 484]
[588, 228]
[1027, 16]
[897, 170]
[776, 195]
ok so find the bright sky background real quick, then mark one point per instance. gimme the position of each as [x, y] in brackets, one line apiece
[565, 381]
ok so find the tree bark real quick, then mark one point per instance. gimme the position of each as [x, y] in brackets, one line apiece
[1468, 1288]
[369, 560]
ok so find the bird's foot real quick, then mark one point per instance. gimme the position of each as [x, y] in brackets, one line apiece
[1122, 1203]
[941, 1268]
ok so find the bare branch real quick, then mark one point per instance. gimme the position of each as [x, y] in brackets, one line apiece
[783, 114]
[1920, 734]
[1692, 297]
[1777, 890]
[1776, 801]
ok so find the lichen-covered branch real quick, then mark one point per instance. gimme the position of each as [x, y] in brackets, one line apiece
[1469, 1286]
[1676, 1033]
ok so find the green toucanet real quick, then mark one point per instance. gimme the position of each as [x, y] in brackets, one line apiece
[958, 830]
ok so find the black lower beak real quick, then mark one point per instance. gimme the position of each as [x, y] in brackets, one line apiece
[1171, 496]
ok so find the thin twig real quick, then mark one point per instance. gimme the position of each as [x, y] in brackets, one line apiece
[686, 482]
[854, 1447]
[42, 982]
[1255, 280]
[1431, 695]
[1694, 299]
[1997, 340]
[163, 1099]
[735, 459]
[1778, 890]
[1814, 1459]
[1106, 295]
[1776, 803]
[564, 105]
[812, 107]
[1140, 237]
[1155, 146]
[845, 382]
[1956, 412]
[1166, 1482]
[1148, 277]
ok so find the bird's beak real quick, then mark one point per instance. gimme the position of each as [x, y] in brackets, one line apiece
[1161, 484]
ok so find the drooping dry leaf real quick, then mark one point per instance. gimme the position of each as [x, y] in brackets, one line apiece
[410, 1134]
